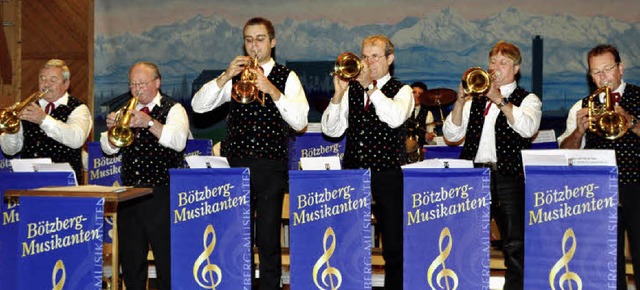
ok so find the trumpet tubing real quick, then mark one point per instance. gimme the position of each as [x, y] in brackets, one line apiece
[121, 135]
[603, 120]
[9, 117]
[245, 90]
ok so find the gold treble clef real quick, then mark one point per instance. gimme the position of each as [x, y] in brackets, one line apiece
[444, 274]
[58, 284]
[324, 259]
[209, 268]
[567, 276]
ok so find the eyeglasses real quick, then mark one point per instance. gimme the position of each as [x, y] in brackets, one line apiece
[373, 58]
[142, 85]
[605, 70]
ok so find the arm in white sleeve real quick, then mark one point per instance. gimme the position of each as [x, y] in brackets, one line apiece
[106, 146]
[11, 144]
[335, 118]
[429, 121]
[527, 116]
[394, 112]
[72, 133]
[293, 105]
[210, 96]
[176, 131]
[571, 124]
[455, 133]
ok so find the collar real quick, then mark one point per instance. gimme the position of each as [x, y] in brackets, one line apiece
[268, 66]
[619, 89]
[155, 102]
[383, 80]
[60, 101]
[508, 89]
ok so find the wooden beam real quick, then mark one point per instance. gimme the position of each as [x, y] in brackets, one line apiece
[5, 65]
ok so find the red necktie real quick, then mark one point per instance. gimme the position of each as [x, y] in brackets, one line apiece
[368, 103]
[49, 108]
[145, 110]
[486, 110]
[616, 97]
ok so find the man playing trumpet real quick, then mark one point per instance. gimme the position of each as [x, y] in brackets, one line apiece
[258, 133]
[161, 127]
[55, 126]
[497, 125]
[606, 69]
[371, 110]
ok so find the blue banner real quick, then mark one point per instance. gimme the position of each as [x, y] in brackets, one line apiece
[5, 164]
[210, 229]
[103, 169]
[446, 228]
[571, 216]
[330, 224]
[10, 214]
[60, 240]
[313, 144]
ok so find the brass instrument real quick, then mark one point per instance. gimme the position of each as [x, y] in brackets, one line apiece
[477, 82]
[245, 90]
[603, 120]
[347, 66]
[10, 117]
[121, 135]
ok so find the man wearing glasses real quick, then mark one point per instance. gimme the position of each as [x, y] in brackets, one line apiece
[258, 135]
[373, 108]
[161, 128]
[606, 68]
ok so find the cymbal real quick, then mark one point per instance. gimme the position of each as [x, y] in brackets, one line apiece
[439, 96]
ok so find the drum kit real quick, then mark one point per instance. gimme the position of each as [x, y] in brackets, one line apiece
[431, 98]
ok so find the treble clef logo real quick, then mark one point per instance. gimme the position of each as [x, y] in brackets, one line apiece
[210, 271]
[59, 267]
[329, 272]
[444, 274]
[567, 276]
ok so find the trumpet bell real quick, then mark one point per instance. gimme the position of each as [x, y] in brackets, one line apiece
[476, 81]
[347, 66]
[612, 125]
[120, 136]
[9, 122]
[245, 92]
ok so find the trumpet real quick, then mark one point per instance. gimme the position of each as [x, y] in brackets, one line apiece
[347, 66]
[10, 117]
[245, 90]
[121, 135]
[603, 120]
[477, 82]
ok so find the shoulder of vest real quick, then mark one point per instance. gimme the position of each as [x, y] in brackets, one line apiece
[166, 100]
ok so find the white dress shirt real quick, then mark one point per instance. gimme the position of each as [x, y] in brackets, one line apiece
[174, 132]
[571, 119]
[292, 105]
[394, 112]
[72, 133]
[527, 121]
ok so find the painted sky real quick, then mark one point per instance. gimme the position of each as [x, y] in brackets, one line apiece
[136, 16]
